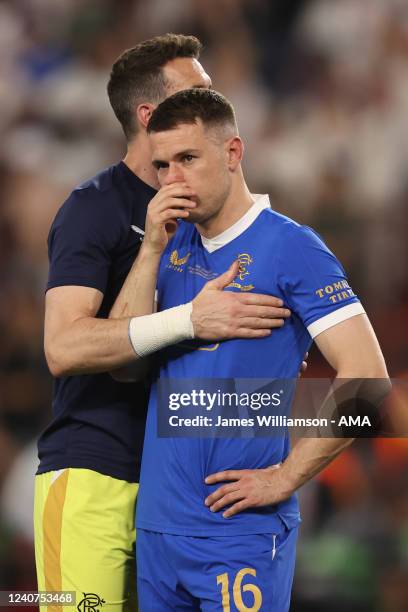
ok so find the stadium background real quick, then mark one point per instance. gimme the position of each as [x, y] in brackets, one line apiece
[321, 93]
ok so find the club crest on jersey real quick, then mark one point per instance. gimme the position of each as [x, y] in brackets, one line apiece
[244, 260]
[90, 603]
[176, 263]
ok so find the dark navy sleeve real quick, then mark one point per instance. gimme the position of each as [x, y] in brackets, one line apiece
[313, 281]
[82, 240]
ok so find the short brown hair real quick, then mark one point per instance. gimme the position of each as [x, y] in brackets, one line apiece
[189, 105]
[137, 74]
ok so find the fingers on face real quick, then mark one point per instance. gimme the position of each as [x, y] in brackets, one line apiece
[176, 190]
[170, 203]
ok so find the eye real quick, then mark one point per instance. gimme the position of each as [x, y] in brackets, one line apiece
[188, 158]
[159, 165]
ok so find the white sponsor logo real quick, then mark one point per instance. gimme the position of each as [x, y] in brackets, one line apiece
[137, 230]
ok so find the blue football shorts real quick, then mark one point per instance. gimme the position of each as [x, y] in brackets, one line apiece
[231, 573]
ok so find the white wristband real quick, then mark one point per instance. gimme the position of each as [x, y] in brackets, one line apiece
[152, 332]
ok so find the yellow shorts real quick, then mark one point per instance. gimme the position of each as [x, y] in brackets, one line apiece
[84, 525]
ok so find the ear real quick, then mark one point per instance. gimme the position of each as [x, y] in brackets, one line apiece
[235, 152]
[143, 113]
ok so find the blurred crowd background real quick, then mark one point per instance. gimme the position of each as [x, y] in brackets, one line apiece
[321, 93]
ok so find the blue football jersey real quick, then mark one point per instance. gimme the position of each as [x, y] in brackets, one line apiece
[277, 257]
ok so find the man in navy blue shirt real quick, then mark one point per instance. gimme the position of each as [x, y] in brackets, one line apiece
[86, 484]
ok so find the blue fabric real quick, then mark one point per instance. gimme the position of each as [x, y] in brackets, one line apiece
[279, 258]
[186, 573]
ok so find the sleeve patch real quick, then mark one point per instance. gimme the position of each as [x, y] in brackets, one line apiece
[336, 292]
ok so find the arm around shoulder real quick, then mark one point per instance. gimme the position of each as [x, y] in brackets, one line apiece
[75, 340]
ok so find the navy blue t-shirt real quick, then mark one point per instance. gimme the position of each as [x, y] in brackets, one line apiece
[97, 422]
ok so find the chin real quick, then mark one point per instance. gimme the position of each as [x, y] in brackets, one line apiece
[195, 217]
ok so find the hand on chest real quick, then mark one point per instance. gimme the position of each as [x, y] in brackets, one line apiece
[185, 271]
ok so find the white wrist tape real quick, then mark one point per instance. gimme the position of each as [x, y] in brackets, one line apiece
[153, 332]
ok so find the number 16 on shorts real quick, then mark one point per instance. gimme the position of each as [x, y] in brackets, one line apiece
[237, 589]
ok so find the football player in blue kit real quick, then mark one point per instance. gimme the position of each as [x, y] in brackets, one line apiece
[202, 546]
[87, 480]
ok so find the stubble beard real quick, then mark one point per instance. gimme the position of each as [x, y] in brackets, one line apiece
[203, 218]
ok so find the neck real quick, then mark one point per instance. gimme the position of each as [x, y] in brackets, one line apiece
[138, 159]
[237, 204]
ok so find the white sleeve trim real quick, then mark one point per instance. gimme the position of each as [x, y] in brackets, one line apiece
[333, 318]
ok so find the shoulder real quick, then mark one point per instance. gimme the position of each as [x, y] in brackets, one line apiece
[92, 214]
[100, 183]
[292, 235]
[98, 191]
[95, 203]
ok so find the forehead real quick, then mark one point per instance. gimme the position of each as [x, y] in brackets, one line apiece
[184, 73]
[185, 136]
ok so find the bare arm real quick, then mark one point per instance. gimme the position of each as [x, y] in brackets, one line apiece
[75, 341]
[215, 314]
[353, 351]
[136, 298]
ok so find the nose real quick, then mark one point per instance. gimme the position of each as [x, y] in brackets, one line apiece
[174, 174]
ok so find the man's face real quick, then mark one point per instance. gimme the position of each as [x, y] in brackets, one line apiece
[185, 73]
[198, 157]
[179, 74]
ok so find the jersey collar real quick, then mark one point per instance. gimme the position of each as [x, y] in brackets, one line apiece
[212, 244]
